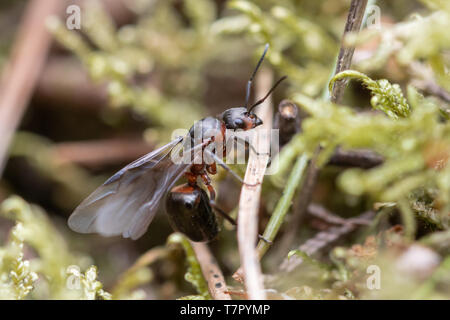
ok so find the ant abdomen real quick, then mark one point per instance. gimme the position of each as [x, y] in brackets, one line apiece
[190, 213]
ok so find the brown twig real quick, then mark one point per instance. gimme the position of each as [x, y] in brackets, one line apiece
[425, 81]
[434, 89]
[353, 24]
[250, 195]
[211, 271]
[359, 158]
[22, 71]
[287, 120]
[55, 89]
[101, 152]
[119, 11]
[325, 238]
[321, 212]
[318, 211]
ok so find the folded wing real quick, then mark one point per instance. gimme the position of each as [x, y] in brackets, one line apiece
[127, 202]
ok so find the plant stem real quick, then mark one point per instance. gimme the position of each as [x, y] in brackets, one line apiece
[21, 73]
[211, 271]
[354, 22]
[250, 271]
[283, 205]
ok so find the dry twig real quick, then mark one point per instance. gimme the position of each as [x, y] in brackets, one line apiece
[359, 158]
[101, 152]
[425, 81]
[288, 120]
[22, 71]
[211, 271]
[354, 21]
[56, 90]
[353, 24]
[324, 238]
[249, 199]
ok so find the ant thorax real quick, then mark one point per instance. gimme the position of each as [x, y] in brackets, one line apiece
[206, 129]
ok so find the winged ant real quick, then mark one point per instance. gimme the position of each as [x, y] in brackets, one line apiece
[127, 202]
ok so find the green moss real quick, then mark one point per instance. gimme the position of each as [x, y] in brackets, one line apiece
[194, 273]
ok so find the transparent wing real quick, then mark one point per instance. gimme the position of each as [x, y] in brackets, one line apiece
[127, 202]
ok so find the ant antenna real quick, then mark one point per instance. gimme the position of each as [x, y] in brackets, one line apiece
[268, 93]
[249, 83]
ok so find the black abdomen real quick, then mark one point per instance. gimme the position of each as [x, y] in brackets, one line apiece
[190, 213]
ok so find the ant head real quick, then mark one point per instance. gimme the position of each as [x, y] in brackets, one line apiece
[240, 118]
[243, 117]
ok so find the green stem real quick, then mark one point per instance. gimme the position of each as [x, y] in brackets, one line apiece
[283, 205]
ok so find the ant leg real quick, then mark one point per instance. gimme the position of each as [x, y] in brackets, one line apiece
[248, 145]
[207, 182]
[192, 178]
[222, 213]
[212, 200]
[234, 174]
[212, 194]
[233, 221]
[211, 168]
[192, 175]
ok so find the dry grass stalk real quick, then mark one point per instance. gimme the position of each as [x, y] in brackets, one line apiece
[250, 199]
[20, 75]
[211, 271]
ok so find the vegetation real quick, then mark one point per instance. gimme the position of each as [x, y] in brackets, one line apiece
[173, 62]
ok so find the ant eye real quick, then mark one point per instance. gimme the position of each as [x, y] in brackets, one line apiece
[239, 123]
